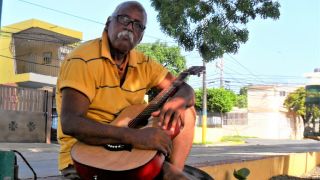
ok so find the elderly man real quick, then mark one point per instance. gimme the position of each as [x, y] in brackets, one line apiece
[102, 77]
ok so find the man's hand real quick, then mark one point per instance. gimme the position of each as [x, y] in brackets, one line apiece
[171, 115]
[152, 138]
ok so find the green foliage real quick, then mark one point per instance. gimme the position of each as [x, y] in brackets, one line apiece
[243, 91]
[242, 98]
[236, 138]
[309, 112]
[198, 96]
[242, 101]
[314, 112]
[213, 27]
[218, 100]
[170, 57]
[295, 102]
[241, 174]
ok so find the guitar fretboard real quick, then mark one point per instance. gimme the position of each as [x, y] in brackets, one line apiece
[154, 105]
[161, 98]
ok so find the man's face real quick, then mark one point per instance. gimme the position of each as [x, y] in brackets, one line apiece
[126, 28]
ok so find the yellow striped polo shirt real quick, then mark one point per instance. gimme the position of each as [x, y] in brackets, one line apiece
[91, 70]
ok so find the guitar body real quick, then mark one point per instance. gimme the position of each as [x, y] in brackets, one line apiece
[97, 162]
[100, 162]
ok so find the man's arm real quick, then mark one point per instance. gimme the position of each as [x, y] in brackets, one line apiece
[75, 123]
[173, 110]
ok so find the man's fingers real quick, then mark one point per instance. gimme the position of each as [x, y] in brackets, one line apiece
[167, 119]
[156, 113]
[176, 121]
[166, 145]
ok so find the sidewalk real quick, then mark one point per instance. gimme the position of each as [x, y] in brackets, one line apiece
[43, 157]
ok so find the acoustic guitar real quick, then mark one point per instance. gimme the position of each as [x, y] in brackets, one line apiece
[122, 161]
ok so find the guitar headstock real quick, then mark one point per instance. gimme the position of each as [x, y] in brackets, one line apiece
[193, 70]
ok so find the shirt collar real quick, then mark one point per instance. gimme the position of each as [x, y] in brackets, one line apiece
[105, 49]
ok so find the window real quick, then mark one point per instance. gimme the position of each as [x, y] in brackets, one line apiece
[47, 57]
[63, 51]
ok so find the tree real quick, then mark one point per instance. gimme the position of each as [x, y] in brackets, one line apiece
[296, 102]
[198, 95]
[219, 100]
[242, 101]
[242, 98]
[170, 57]
[213, 27]
[243, 90]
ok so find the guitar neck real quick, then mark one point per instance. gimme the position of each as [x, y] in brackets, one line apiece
[153, 105]
[162, 97]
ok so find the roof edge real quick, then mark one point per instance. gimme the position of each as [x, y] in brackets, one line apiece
[23, 25]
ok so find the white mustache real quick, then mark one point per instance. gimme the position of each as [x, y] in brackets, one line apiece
[126, 33]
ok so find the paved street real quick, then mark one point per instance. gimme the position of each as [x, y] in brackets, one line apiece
[43, 157]
[253, 149]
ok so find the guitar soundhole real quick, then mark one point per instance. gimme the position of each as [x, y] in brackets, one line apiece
[118, 147]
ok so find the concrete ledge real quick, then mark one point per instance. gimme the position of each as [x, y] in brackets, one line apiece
[294, 164]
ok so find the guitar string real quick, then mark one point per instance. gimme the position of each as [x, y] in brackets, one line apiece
[159, 99]
[153, 105]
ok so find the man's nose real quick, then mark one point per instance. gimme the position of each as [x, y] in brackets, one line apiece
[130, 26]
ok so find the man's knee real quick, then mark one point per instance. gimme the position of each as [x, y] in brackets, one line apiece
[190, 116]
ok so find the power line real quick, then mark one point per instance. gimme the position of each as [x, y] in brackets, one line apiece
[266, 76]
[242, 66]
[93, 21]
[80, 17]
[28, 61]
[65, 13]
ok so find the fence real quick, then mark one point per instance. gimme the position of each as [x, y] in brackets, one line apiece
[218, 120]
[25, 114]
[22, 99]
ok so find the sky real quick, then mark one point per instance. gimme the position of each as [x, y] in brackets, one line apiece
[277, 52]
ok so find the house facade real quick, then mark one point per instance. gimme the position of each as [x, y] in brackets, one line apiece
[30, 56]
[268, 118]
[265, 117]
[31, 52]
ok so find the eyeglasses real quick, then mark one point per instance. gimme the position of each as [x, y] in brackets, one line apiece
[125, 20]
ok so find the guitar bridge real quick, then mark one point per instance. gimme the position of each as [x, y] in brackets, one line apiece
[118, 147]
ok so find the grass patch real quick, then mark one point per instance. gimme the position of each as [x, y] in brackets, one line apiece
[200, 143]
[234, 139]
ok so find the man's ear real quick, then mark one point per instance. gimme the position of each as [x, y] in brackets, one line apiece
[107, 23]
[141, 38]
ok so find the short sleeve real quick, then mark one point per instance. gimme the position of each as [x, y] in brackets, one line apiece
[156, 73]
[75, 74]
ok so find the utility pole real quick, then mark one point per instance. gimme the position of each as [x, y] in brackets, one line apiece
[219, 65]
[204, 106]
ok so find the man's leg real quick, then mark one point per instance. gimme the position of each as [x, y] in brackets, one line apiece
[183, 142]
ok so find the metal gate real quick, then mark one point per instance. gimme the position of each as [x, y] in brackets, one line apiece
[25, 114]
